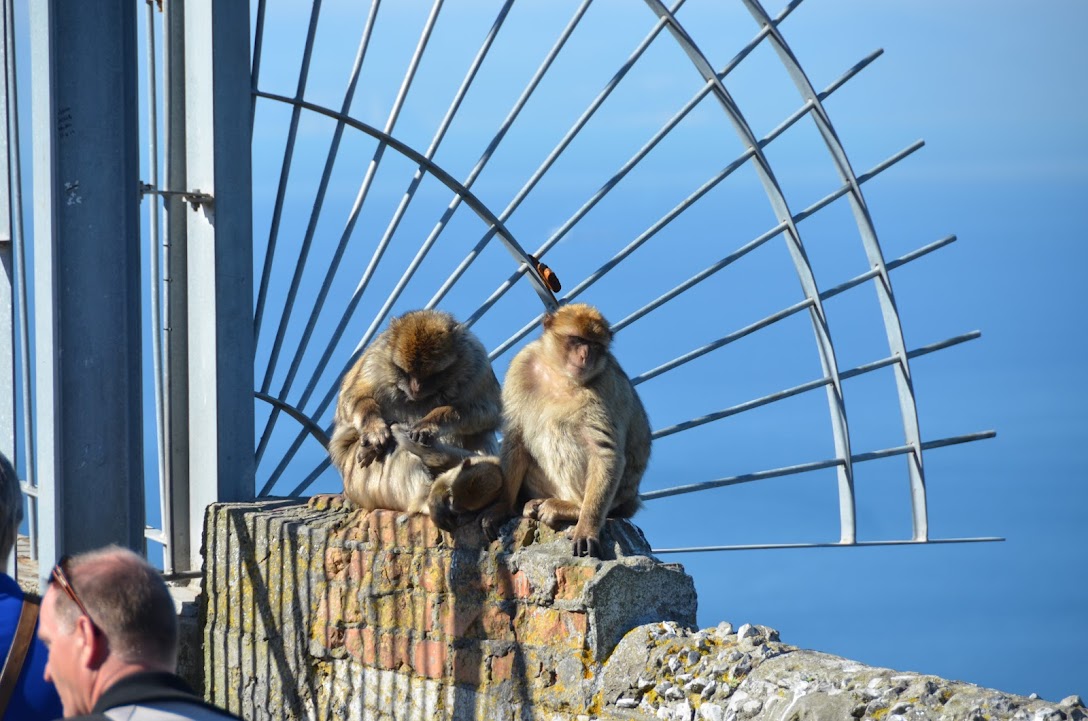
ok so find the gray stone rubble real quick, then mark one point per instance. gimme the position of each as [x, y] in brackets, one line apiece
[748, 674]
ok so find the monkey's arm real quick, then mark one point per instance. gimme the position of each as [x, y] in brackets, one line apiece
[342, 447]
[358, 408]
[603, 474]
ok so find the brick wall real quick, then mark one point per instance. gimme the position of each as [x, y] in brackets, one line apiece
[337, 614]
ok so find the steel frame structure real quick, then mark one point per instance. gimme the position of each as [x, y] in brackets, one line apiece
[210, 306]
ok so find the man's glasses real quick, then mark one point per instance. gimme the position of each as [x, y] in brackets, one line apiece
[60, 577]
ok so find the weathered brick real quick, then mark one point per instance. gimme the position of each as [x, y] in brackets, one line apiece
[502, 667]
[500, 583]
[571, 580]
[522, 587]
[382, 528]
[497, 623]
[468, 665]
[361, 644]
[398, 610]
[454, 618]
[434, 572]
[540, 626]
[392, 572]
[334, 636]
[336, 563]
[429, 658]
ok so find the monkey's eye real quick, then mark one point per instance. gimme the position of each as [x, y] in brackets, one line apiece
[577, 341]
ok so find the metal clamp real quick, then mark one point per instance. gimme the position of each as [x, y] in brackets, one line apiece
[194, 198]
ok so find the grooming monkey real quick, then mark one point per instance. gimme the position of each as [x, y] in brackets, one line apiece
[576, 439]
[434, 479]
[428, 374]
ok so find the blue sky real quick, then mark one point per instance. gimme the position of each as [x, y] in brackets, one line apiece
[995, 89]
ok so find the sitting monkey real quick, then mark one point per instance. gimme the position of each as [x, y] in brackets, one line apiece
[418, 476]
[576, 439]
[431, 375]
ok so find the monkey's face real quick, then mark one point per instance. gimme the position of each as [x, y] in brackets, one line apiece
[583, 358]
[422, 382]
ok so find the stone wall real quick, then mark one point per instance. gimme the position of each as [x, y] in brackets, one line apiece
[338, 614]
[333, 614]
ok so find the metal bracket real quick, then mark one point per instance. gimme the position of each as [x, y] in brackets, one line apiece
[194, 198]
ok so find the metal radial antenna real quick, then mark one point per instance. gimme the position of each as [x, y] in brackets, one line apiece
[674, 165]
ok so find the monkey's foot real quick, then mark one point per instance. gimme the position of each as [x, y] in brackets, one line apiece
[329, 502]
[552, 512]
[586, 546]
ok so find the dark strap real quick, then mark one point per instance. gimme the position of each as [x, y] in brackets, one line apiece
[13, 666]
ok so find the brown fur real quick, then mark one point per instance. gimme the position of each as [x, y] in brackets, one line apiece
[437, 480]
[426, 373]
[576, 439]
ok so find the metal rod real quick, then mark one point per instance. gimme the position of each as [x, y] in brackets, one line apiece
[810, 385]
[175, 526]
[809, 467]
[855, 544]
[285, 174]
[417, 178]
[494, 144]
[621, 173]
[154, 259]
[781, 315]
[549, 161]
[307, 240]
[19, 255]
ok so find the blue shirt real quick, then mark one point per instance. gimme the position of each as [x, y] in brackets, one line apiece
[33, 697]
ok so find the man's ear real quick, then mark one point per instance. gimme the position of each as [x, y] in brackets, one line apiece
[95, 647]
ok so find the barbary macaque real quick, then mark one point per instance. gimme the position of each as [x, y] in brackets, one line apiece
[576, 439]
[428, 373]
[430, 376]
[417, 476]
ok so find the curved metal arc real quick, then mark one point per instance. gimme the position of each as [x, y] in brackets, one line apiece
[314, 429]
[591, 279]
[470, 199]
[892, 325]
[836, 401]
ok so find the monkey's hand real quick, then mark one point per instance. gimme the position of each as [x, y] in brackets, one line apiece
[440, 506]
[374, 440]
[492, 519]
[422, 435]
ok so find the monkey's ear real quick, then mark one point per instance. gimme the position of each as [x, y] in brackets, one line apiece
[549, 319]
